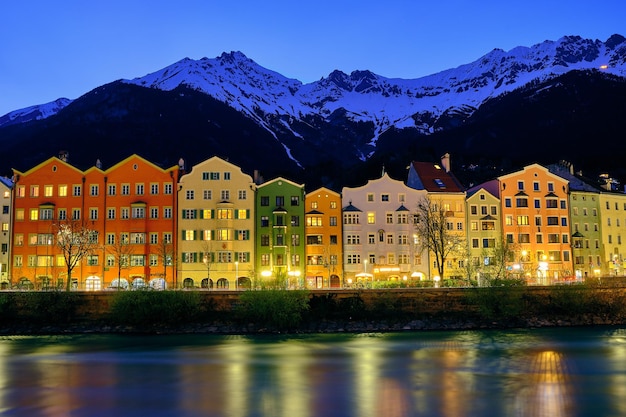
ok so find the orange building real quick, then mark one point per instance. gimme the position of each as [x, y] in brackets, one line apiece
[536, 224]
[324, 255]
[130, 209]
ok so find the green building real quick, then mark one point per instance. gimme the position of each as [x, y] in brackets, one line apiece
[280, 245]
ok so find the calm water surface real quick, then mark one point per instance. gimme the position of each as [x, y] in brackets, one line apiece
[546, 372]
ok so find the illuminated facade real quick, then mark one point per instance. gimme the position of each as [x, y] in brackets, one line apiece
[324, 252]
[216, 226]
[6, 186]
[280, 243]
[444, 191]
[484, 232]
[129, 203]
[379, 234]
[536, 221]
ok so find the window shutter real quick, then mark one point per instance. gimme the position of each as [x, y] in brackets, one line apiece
[247, 213]
[212, 213]
[182, 236]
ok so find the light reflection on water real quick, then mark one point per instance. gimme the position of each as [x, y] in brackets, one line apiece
[547, 372]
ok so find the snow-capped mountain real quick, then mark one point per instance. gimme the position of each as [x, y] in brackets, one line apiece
[267, 96]
[37, 112]
[554, 97]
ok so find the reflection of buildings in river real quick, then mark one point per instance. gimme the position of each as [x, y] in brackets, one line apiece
[441, 387]
[549, 391]
[376, 394]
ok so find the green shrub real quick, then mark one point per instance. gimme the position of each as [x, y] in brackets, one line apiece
[504, 301]
[276, 309]
[156, 307]
[47, 307]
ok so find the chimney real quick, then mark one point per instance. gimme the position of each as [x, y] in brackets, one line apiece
[445, 162]
[64, 156]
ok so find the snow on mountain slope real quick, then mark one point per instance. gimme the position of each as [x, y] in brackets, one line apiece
[238, 81]
[37, 112]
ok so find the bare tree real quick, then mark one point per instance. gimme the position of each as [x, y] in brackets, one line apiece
[75, 241]
[121, 250]
[498, 257]
[435, 235]
[165, 251]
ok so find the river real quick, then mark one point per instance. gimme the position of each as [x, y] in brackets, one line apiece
[530, 372]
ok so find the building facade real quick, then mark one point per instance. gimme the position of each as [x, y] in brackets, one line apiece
[280, 243]
[216, 226]
[380, 244]
[6, 186]
[535, 210]
[127, 210]
[484, 233]
[323, 231]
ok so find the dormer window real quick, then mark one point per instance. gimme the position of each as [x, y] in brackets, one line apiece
[439, 183]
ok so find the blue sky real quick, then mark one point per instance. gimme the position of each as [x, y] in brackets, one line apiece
[52, 49]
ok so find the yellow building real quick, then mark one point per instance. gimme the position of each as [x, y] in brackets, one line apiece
[322, 228]
[216, 226]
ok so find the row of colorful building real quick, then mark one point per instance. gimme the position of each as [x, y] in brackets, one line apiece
[218, 227]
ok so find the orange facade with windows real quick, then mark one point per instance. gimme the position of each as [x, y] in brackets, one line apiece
[130, 207]
[323, 225]
[536, 224]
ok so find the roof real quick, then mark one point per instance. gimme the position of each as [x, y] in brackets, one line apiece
[6, 181]
[434, 178]
[492, 187]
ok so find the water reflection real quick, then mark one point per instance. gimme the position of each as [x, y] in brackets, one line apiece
[562, 372]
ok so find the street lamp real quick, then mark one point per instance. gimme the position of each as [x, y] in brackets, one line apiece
[236, 274]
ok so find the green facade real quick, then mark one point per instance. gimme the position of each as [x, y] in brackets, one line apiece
[280, 237]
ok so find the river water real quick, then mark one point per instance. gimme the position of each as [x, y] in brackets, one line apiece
[536, 372]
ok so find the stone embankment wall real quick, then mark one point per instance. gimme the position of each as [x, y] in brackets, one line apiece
[422, 300]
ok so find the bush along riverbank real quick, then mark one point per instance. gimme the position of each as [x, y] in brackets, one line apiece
[301, 311]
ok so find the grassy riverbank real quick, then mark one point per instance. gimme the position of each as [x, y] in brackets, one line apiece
[267, 311]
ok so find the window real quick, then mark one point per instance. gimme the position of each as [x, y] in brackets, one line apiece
[314, 221]
[265, 200]
[206, 194]
[384, 197]
[62, 190]
[353, 258]
[317, 239]
[371, 217]
[507, 202]
[521, 202]
[76, 190]
[350, 239]
[523, 238]
[167, 212]
[75, 214]
[137, 260]
[139, 189]
[62, 214]
[139, 212]
[110, 238]
[111, 214]
[138, 238]
[154, 189]
[553, 221]
[34, 191]
[154, 212]
[265, 221]
[92, 260]
[93, 214]
[535, 186]
[189, 214]
[125, 189]
[189, 195]
[48, 190]
[389, 218]
[224, 214]
[351, 218]
[280, 200]
[522, 220]
[295, 200]
[551, 203]
[265, 240]
[520, 185]
[370, 197]
[112, 189]
[167, 188]
[93, 190]
[242, 194]
[125, 213]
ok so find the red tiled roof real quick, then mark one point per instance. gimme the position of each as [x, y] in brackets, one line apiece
[435, 178]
